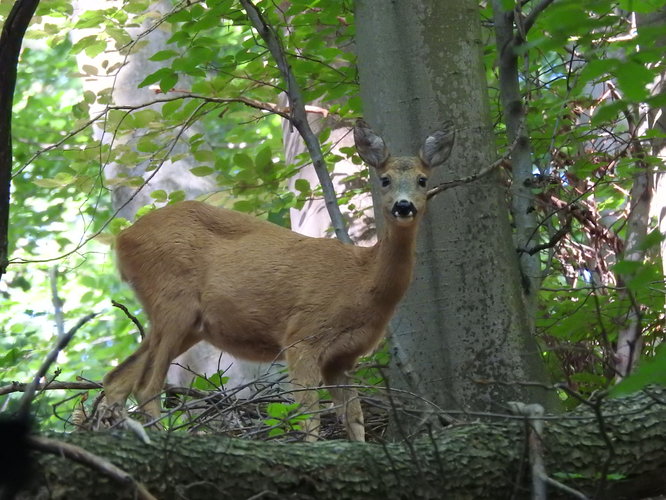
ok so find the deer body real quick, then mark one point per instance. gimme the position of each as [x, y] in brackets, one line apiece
[262, 292]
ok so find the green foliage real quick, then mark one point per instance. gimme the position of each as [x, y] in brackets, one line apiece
[284, 417]
[581, 77]
[62, 214]
[651, 371]
[585, 74]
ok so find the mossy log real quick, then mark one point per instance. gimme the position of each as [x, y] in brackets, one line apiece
[468, 461]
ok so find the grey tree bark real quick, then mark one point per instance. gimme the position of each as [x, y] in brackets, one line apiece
[472, 461]
[647, 199]
[463, 321]
[522, 198]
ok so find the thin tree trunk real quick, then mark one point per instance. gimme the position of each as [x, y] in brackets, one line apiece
[647, 198]
[11, 40]
[522, 198]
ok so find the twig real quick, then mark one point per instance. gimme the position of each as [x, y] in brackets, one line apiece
[471, 178]
[78, 454]
[298, 117]
[561, 233]
[50, 386]
[132, 318]
[24, 404]
[534, 13]
[56, 301]
[594, 402]
[533, 414]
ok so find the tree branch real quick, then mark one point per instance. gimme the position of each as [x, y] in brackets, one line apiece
[534, 13]
[52, 386]
[28, 395]
[298, 117]
[471, 178]
[131, 316]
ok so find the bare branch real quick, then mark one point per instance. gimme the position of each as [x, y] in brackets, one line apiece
[471, 178]
[52, 386]
[554, 239]
[132, 318]
[534, 13]
[24, 405]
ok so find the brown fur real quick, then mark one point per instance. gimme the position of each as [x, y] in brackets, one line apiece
[262, 292]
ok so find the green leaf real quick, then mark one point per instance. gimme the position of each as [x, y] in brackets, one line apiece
[180, 16]
[202, 171]
[277, 410]
[204, 155]
[159, 195]
[118, 224]
[607, 112]
[246, 206]
[177, 196]
[155, 77]
[203, 384]
[264, 157]
[168, 81]
[652, 239]
[244, 161]
[83, 43]
[61, 179]
[171, 107]
[96, 48]
[633, 79]
[147, 145]
[649, 371]
[302, 185]
[163, 55]
[642, 6]
[145, 116]
[627, 267]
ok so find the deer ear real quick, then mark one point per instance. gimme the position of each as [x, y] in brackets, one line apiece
[437, 146]
[371, 148]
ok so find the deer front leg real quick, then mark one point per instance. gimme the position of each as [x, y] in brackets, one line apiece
[305, 378]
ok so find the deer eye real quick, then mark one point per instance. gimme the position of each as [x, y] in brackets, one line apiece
[422, 181]
[386, 182]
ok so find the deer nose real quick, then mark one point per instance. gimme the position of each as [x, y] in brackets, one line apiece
[404, 208]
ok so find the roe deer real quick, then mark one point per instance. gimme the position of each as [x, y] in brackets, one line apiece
[262, 292]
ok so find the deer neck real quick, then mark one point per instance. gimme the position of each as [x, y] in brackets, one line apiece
[393, 263]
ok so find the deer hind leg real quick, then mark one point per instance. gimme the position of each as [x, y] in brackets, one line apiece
[305, 374]
[166, 347]
[347, 403]
[119, 382]
[143, 372]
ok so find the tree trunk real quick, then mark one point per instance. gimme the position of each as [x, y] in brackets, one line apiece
[11, 40]
[647, 199]
[464, 461]
[526, 233]
[463, 319]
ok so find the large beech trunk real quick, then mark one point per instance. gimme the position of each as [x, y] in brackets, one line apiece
[421, 64]
[477, 460]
